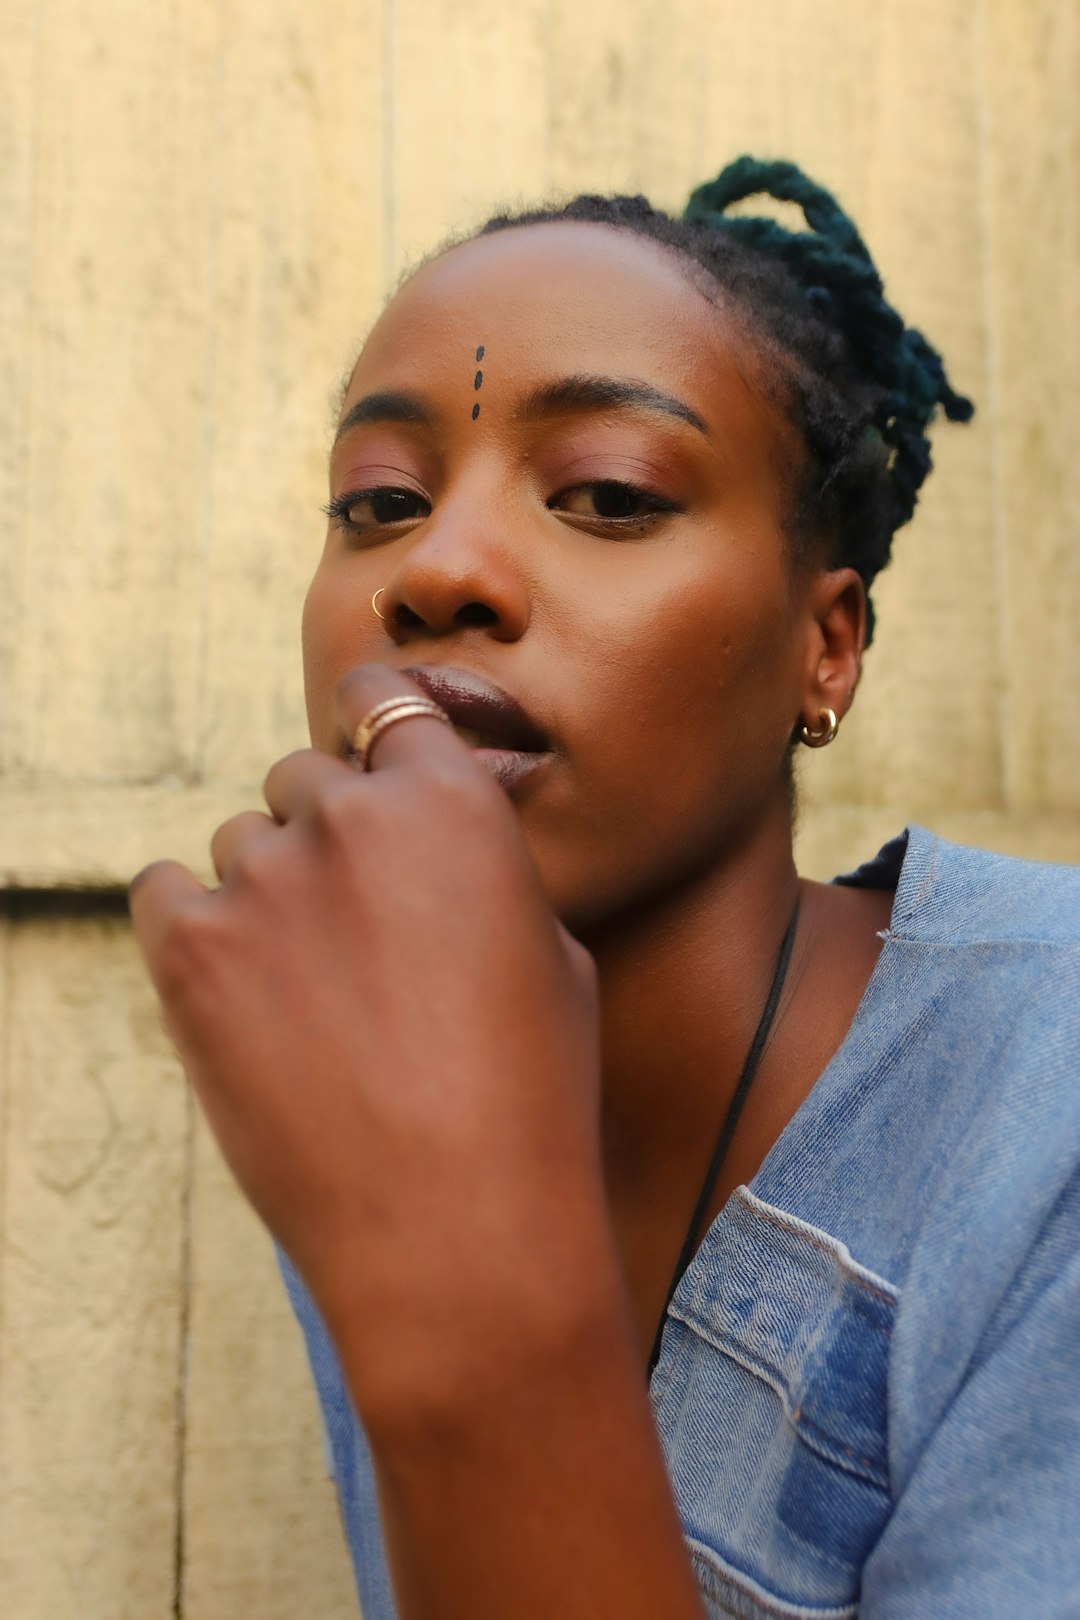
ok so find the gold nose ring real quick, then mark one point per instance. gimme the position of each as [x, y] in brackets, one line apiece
[375, 604]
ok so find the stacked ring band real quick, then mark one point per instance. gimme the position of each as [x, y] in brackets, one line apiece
[388, 713]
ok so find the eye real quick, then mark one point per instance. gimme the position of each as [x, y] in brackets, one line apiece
[359, 511]
[606, 500]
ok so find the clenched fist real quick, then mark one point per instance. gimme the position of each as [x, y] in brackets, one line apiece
[395, 1043]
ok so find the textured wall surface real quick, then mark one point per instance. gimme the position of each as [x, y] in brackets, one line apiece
[201, 207]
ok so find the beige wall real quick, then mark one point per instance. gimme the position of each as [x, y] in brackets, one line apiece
[202, 204]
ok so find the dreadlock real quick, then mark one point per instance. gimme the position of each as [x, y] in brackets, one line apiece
[859, 386]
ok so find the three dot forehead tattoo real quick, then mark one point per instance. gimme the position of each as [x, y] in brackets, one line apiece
[477, 381]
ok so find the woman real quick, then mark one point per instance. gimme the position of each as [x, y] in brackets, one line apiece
[688, 1237]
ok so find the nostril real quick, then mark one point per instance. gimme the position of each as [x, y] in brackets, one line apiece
[475, 615]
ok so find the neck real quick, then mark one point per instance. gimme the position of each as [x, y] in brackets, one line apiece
[682, 985]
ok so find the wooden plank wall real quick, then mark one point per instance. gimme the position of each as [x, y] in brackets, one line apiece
[201, 208]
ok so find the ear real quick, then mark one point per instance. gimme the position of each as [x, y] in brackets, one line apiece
[834, 645]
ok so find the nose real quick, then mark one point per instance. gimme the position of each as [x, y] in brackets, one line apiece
[458, 575]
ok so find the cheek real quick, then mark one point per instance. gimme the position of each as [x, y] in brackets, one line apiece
[335, 636]
[693, 691]
[708, 663]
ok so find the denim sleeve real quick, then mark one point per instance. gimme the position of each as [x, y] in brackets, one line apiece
[348, 1455]
[988, 1523]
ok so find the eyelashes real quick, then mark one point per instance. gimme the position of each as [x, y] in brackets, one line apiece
[359, 510]
[613, 501]
[605, 504]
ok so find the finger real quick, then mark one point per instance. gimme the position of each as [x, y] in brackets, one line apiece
[241, 835]
[155, 896]
[297, 782]
[419, 738]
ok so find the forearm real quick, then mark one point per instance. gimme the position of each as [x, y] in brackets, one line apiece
[541, 1493]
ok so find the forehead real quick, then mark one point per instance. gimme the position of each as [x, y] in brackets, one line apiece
[558, 298]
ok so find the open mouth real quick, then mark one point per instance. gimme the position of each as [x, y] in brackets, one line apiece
[481, 739]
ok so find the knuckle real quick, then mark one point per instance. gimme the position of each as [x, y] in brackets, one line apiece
[357, 682]
[334, 813]
[188, 951]
[254, 866]
[147, 878]
[588, 980]
[219, 842]
[584, 966]
[346, 683]
[287, 763]
[462, 792]
[581, 963]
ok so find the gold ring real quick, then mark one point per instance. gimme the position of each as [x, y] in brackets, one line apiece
[375, 604]
[388, 713]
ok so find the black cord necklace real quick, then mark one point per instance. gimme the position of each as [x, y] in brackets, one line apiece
[727, 1129]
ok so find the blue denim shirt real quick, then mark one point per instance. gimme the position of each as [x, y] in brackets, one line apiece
[868, 1392]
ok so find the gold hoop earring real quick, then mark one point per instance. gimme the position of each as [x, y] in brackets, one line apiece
[829, 725]
[375, 604]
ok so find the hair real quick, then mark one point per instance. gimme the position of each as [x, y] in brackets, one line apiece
[858, 385]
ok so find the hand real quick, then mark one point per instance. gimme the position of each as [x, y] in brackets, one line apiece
[395, 1043]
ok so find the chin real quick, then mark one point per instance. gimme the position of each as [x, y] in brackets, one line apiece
[581, 899]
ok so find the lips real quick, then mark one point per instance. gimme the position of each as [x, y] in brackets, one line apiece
[488, 717]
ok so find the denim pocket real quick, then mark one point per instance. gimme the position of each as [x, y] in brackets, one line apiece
[770, 1400]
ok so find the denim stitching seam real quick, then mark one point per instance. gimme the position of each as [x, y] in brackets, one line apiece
[717, 1566]
[811, 1434]
[880, 1287]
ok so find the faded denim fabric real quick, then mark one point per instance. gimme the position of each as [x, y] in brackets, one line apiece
[868, 1392]
[348, 1456]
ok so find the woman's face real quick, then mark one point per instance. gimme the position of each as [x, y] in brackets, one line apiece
[585, 515]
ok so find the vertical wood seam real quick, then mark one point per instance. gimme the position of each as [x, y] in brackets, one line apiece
[207, 501]
[6, 1007]
[21, 578]
[183, 1359]
[993, 407]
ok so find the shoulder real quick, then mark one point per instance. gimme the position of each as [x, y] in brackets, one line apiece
[952, 1108]
[951, 894]
[992, 947]
[983, 958]
[986, 995]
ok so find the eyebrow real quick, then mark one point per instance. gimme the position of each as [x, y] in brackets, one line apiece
[589, 393]
[389, 406]
[575, 393]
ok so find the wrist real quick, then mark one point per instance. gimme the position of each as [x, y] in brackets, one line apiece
[539, 1474]
[530, 1325]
